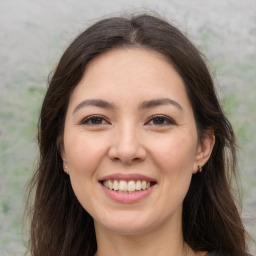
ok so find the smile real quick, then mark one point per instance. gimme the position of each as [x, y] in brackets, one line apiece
[127, 188]
[130, 186]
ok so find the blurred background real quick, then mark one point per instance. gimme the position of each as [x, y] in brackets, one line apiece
[34, 34]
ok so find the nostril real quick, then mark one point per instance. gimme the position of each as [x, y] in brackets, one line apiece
[136, 159]
[126, 160]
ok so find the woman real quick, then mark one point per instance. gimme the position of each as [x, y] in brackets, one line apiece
[135, 151]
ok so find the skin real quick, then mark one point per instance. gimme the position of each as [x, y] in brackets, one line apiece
[125, 138]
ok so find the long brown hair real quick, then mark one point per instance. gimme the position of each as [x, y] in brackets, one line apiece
[211, 221]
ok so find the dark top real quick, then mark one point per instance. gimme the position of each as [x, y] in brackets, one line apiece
[225, 254]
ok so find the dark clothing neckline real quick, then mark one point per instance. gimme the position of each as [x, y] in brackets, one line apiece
[214, 253]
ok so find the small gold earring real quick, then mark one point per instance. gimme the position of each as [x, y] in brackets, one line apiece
[200, 168]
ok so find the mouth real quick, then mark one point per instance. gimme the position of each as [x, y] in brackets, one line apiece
[127, 186]
[127, 183]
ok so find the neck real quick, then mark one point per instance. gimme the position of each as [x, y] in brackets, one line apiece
[154, 243]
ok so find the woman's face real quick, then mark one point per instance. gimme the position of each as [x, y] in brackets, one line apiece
[130, 142]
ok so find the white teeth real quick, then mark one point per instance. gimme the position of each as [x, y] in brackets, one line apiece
[115, 185]
[138, 185]
[143, 184]
[124, 186]
[110, 184]
[131, 186]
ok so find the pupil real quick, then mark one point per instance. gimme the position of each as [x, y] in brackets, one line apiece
[96, 120]
[158, 120]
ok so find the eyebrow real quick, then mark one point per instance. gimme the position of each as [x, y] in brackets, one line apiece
[94, 102]
[144, 105]
[159, 102]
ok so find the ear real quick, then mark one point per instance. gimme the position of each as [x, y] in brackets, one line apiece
[204, 150]
[64, 159]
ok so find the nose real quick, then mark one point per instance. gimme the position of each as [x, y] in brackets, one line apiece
[127, 146]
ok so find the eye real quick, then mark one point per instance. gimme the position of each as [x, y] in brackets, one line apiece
[94, 120]
[160, 120]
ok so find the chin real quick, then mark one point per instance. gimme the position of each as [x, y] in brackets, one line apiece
[127, 223]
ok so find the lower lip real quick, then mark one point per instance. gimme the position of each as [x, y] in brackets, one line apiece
[127, 198]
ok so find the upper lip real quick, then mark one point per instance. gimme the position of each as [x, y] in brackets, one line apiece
[127, 177]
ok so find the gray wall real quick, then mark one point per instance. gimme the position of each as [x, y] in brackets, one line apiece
[34, 33]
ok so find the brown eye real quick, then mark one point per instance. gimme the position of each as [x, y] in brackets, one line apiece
[94, 120]
[160, 121]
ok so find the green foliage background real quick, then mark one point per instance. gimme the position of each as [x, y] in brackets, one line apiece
[35, 33]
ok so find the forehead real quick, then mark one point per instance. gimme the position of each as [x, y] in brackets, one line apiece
[127, 59]
[130, 73]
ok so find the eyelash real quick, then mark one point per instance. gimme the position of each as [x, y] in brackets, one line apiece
[99, 119]
[165, 119]
[89, 119]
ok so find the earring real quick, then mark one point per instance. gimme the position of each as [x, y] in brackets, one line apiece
[66, 170]
[200, 168]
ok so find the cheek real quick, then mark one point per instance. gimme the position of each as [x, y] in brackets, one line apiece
[175, 155]
[83, 154]
[176, 160]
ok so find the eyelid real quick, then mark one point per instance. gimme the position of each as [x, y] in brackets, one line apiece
[170, 120]
[90, 117]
